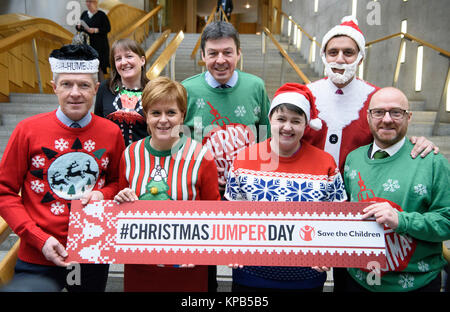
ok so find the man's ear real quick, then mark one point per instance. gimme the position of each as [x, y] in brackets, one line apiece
[53, 86]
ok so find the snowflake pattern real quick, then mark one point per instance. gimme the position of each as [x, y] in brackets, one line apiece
[352, 174]
[420, 189]
[255, 188]
[257, 110]
[360, 275]
[423, 266]
[37, 186]
[391, 185]
[105, 162]
[406, 280]
[240, 111]
[61, 145]
[38, 161]
[89, 145]
[101, 183]
[200, 103]
[57, 208]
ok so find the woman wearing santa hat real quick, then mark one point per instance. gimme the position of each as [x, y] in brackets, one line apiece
[296, 170]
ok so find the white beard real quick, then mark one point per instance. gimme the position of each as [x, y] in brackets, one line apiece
[349, 70]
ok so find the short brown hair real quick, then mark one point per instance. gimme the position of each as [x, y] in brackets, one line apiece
[164, 89]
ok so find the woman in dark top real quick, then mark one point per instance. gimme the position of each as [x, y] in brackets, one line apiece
[98, 29]
[119, 98]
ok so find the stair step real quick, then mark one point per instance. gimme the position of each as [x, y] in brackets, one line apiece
[423, 116]
[426, 129]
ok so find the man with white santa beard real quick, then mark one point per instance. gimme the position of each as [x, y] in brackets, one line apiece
[342, 101]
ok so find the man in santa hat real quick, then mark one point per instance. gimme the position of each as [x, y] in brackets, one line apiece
[342, 101]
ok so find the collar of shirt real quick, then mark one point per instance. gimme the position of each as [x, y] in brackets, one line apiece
[214, 84]
[391, 150]
[83, 122]
[345, 90]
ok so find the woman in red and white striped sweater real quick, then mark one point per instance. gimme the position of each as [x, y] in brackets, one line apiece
[166, 165]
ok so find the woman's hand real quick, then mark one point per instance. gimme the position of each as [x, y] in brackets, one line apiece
[126, 195]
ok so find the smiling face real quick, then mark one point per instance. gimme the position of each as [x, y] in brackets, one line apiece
[163, 121]
[221, 56]
[341, 55]
[129, 66]
[387, 131]
[287, 128]
[75, 94]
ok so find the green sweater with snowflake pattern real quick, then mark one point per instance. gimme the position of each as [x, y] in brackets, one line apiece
[227, 120]
[418, 189]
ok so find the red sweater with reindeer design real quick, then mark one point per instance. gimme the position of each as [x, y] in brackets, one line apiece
[51, 164]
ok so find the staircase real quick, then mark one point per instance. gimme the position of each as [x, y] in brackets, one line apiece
[22, 106]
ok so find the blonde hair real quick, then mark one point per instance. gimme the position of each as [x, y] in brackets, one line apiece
[165, 90]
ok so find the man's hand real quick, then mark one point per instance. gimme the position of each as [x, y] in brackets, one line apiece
[55, 252]
[222, 181]
[384, 214]
[321, 269]
[422, 146]
[94, 195]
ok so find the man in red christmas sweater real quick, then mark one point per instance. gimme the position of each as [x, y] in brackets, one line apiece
[51, 159]
[342, 101]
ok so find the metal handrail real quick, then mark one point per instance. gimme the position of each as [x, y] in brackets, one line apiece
[412, 38]
[300, 28]
[167, 55]
[285, 57]
[404, 36]
[32, 34]
[156, 45]
[131, 30]
[197, 44]
[12, 41]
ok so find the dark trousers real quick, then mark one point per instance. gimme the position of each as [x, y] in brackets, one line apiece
[29, 277]
[241, 288]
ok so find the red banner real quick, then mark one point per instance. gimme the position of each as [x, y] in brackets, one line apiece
[224, 232]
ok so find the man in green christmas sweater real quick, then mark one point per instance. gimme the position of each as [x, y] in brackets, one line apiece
[226, 107]
[412, 200]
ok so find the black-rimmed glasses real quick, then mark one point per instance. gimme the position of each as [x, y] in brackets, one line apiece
[396, 113]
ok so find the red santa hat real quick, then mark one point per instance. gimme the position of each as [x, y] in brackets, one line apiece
[300, 96]
[348, 27]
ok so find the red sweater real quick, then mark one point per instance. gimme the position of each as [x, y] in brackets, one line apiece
[51, 164]
[344, 117]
